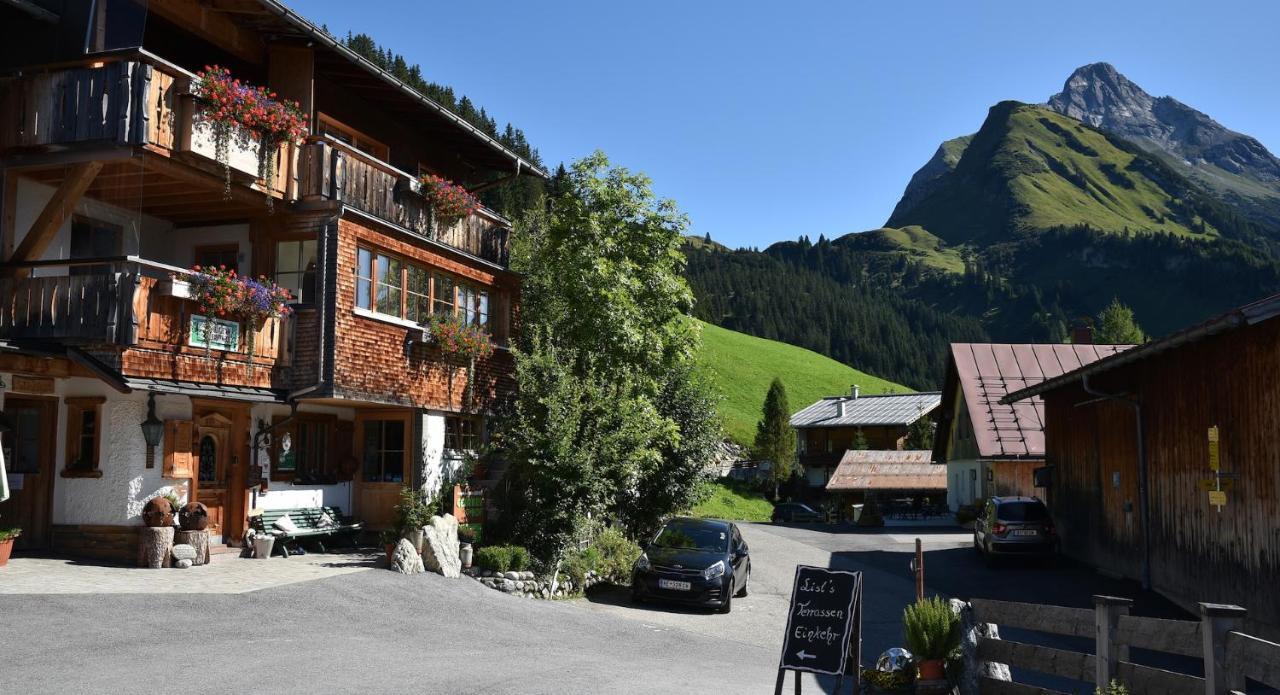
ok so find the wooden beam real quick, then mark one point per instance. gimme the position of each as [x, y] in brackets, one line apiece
[213, 26]
[55, 212]
[187, 173]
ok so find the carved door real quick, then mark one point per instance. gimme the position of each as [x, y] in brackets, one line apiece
[211, 449]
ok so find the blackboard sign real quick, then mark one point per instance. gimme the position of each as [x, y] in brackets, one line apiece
[824, 621]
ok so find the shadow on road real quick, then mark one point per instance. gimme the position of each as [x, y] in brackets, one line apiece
[610, 595]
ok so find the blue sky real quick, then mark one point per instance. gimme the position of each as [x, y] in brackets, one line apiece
[768, 120]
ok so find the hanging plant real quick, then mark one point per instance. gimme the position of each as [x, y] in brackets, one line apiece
[449, 201]
[262, 299]
[457, 339]
[229, 104]
[219, 292]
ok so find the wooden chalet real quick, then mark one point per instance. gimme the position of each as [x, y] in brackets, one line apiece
[825, 430]
[990, 448]
[1164, 466]
[113, 188]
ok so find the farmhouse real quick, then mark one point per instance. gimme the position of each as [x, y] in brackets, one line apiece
[1164, 466]
[990, 448]
[825, 430]
[126, 373]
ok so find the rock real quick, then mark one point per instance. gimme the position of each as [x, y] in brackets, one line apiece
[406, 560]
[512, 575]
[529, 575]
[183, 551]
[440, 546]
[184, 563]
[519, 585]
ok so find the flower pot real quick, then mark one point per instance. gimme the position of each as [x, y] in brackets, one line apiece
[158, 512]
[193, 517]
[464, 553]
[262, 546]
[932, 669]
[6, 548]
[174, 287]
[414, 537]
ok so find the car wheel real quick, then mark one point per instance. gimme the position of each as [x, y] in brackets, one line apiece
[727, 605]
[745, 580]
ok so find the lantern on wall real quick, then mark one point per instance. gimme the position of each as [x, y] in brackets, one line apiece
[152, 430]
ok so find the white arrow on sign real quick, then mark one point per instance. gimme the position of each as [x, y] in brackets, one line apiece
[802, 655]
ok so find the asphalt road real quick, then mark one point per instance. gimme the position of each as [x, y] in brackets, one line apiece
[375, 631]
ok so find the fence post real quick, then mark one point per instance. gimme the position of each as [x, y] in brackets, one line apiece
[1216, 620]
[1107, 611]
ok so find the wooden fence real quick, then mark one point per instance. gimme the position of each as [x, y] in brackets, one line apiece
[1229, 656]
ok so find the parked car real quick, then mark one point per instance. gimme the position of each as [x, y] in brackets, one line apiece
[796, 512]
[1014, 526]
[700, 562]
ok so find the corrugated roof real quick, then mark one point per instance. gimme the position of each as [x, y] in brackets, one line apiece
[890, 409]
[887, 470]
[987, 372]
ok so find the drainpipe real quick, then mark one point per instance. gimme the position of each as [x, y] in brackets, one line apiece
[1143, 504]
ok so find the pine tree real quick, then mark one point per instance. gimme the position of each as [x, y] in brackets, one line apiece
[775, 440]
[1117, 327]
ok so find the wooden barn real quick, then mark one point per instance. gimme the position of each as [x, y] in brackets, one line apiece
[1164, 465]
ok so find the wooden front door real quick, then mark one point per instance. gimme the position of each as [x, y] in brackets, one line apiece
[211, 448]
[386, 463]
[28, 456]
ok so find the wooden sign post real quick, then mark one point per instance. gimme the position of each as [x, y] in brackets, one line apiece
[824, 626]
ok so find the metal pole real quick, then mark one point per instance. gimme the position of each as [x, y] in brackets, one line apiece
[919, 571]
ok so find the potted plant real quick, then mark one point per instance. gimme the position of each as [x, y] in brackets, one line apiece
[466, 538]
[411, 514]
[449, 201]
[388, 540]
[932, 630]
[7, 536]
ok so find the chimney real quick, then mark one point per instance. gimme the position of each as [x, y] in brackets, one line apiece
[839, 407]
[1082, 333]
[853, 391]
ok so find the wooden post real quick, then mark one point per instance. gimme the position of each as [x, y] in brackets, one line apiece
[1107, 611]
[1216, 620]
[919, 571]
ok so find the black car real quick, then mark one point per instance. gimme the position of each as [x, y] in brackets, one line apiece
[1015, 526]
[698, 562]
[796, 512]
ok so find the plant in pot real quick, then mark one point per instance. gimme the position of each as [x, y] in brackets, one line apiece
[411, 514]
[932, 630]
[466, 539]
[7, 536]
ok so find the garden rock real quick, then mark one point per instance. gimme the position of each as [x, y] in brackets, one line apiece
[182, 551]
[183, 564]
[440, 546]
[406, 560]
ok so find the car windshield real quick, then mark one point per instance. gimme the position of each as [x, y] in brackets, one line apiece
[693, 537]
[1022, 511]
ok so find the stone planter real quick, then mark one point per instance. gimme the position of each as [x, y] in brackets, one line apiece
[414, 537]
[262, 546]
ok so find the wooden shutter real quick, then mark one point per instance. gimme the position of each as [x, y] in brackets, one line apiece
[177, 449]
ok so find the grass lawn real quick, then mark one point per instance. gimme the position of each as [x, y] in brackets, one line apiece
[733, 502]
[742, 366]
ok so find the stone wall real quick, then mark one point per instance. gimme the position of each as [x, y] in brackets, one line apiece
[529, 585]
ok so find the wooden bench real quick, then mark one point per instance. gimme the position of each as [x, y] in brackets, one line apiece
[307, 520]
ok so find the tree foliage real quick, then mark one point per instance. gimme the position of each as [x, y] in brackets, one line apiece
[1116, 326]
[775, 438]
[611, 421]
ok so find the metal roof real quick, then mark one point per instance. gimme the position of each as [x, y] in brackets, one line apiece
[887, 409]
[986, 372]
[187, 388]
[887, 470]
[1247, 315]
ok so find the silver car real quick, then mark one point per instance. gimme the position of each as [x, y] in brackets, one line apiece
[1015, 526]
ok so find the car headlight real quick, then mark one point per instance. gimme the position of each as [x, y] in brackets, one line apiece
[714, 571]
[642, 562]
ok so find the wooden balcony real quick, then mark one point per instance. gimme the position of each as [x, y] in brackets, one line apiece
[127, 99]
[138, 314]
[331, 170]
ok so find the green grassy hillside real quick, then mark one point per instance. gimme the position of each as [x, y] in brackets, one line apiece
[726, 499]
[915, 241]
[1029, 168]
[743, 366]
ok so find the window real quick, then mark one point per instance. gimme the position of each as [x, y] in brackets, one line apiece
[444, 295]
[341, 132]
[417, 302]
[461, 433]
[93, 239]
[208, 459]
[389, 284]
[222, 255]
[301, 451]
[364, 278]
[383, 452]
[84, 418]
[473, 306]
[296, 268]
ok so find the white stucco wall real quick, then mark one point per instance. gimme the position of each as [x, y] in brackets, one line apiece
[959, 492]
[436, 460]
[141, 234]
[182, 252]
[283, 495]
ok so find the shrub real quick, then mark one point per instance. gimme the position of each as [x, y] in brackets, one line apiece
[1113, 688]
[966, 514]
[503, 558]
[617, 554]
[414, 509]
[576, 564]
[932, 629]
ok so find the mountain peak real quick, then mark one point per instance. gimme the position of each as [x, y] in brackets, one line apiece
[1098, 94]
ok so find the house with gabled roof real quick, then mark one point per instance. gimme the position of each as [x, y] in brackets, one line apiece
[990, 448]
[828, 428]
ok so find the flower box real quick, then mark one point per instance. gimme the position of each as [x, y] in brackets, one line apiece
[197, 137]
[173, 287]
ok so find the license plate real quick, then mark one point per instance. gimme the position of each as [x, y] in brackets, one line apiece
[1022, 532]
[674, 585]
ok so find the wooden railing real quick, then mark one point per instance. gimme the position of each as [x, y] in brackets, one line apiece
[126, 301]
[329, 169]
[124, 98]
[1229, 656]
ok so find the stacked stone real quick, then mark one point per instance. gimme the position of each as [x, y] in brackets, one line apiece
[529, 585]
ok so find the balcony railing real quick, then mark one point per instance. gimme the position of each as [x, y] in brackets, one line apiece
[124, 98]
[328, 169]
[129, 302]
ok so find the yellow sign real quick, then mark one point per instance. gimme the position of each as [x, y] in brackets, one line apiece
[1214, 484]
[1213, 433]
[1217, 498]
[1215, 462]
